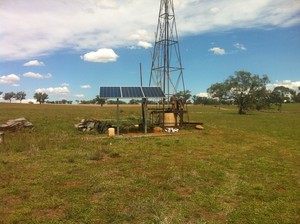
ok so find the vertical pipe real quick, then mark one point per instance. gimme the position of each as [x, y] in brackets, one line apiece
[118, 117]
[143, 103]
[141, 74]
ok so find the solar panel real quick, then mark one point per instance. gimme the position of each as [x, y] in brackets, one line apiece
[131, 92]
[110, 92]
[153, 92]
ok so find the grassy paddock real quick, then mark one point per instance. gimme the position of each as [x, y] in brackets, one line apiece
[240, 169]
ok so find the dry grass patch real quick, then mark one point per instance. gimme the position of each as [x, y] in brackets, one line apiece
[240, 169]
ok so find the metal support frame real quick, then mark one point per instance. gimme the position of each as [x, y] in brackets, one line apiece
[166, 68]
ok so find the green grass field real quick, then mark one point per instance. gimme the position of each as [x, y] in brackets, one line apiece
[240, 169]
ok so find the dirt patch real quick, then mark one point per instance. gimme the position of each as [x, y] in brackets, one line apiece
[48, 213]
[72, 184]
[185, 192]
[7, 206]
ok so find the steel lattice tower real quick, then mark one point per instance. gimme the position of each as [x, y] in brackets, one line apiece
[166, 69]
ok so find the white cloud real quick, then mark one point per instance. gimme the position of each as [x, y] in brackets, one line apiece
[85, 87]
[37, 75]
[286, 83]
[102, 55]
[54, 90]
[240, 46]
[29, 101]
[65, 84]
[79, 96]
[217, 50]
[79, 25]
[140, 35]
[203, 94]
[214, 10]
[144, 44]
[11, 80]
[34, 63]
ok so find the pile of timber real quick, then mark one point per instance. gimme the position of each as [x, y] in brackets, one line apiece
[16, 124]
[93, 125]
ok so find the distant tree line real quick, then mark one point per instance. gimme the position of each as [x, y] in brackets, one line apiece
[243, 89]
[248, 92]
[40, 97]
[102, 101]
[11, 95]
[63, 101]
[96, 100]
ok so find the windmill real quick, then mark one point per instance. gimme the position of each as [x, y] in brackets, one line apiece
[167, 70]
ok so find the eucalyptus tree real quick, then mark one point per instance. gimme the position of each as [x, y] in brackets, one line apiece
[9, 96]
[282, 94]
[40, 97]
[20, 96]
[99, 100]
[218, 91]
[243, 88]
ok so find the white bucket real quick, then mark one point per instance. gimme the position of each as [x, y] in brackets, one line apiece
[111, 132]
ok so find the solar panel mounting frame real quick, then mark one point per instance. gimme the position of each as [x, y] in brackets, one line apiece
[131, 92]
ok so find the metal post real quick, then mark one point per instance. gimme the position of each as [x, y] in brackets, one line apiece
[118, 118]
[141, 74]
[144, 102]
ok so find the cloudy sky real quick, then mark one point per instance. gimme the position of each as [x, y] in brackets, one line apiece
[70, 48]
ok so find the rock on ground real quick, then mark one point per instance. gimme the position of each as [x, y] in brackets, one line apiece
[16, 124]
[93, 125]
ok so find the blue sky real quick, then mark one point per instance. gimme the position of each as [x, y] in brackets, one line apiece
[69, 49]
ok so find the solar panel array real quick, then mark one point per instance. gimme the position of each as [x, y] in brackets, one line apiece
[131, 92]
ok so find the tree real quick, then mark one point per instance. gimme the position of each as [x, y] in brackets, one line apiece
[20, 96]
[99, 100]
[133, 101]
[263, 99]
[185, 95]
[9, 96]
[296, 95]
[297, 98]
[63, 101]
[96, 100]
[243, 88]
[40, 97]
[219, 91]
[203, 100]
[281, 94]
[115, 102]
